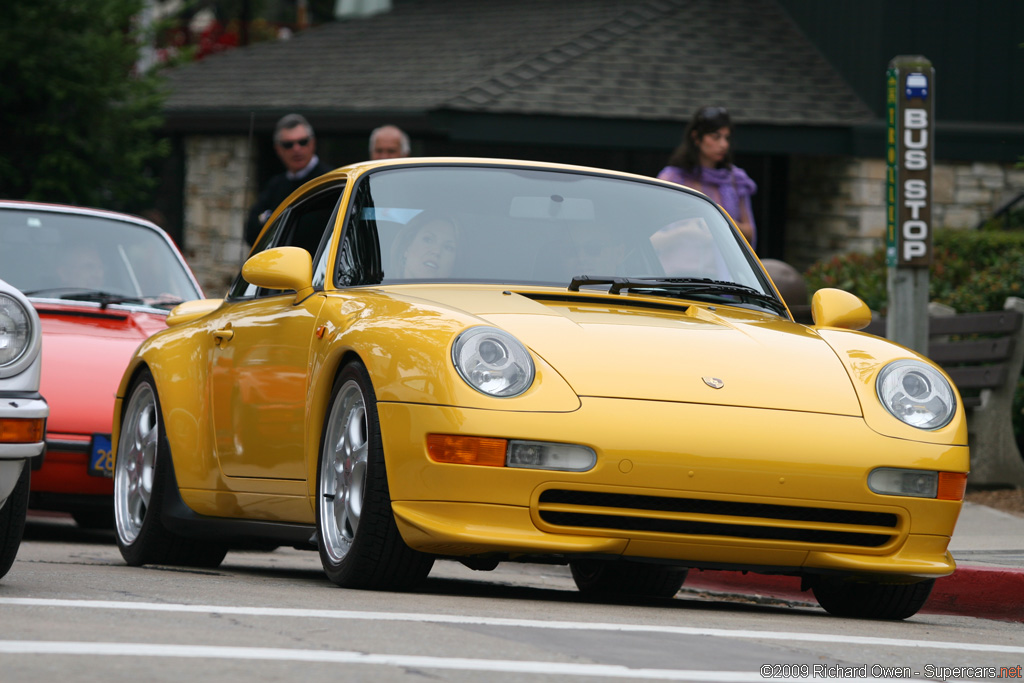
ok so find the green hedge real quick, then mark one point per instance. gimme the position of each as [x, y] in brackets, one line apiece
[972, 271]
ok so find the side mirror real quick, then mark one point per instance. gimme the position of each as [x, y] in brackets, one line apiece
[281, 268]
[836, 308]
[192, 310]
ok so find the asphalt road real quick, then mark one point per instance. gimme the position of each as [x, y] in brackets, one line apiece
[70, 610]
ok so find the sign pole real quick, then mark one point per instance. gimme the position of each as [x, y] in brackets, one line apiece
[910, 99]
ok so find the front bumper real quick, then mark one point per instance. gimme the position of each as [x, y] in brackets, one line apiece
[22, 407]
[694, 485]
[64, 475]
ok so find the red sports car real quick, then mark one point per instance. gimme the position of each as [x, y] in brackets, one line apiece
[102, 282]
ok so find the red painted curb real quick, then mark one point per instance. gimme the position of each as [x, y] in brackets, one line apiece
[986, 592]
[973, 591]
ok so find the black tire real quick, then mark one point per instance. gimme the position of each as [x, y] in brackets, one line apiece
[871, 600]
[99, 518]
[359, 544]
[12, 521]
[144, 460]
[622, 578]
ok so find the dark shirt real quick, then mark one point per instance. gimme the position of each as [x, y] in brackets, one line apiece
[276, 191]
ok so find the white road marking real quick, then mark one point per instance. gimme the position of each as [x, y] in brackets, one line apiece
[520, 623]
[401, 661]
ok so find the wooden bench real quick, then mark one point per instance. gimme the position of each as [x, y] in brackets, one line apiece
[983, 354]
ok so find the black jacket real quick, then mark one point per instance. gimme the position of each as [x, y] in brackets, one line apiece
[276, 191]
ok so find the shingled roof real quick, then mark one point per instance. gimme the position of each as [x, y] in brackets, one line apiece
[656, 60]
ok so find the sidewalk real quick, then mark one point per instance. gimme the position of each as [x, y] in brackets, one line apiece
[988, 546]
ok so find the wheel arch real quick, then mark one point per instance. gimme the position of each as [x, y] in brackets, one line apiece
[319, 402]
[135, 368]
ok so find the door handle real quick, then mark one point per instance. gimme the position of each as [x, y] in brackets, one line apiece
[223, 335]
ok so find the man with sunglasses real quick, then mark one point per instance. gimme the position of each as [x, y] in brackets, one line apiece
[295, 145]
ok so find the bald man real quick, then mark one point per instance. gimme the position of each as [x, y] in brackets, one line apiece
[388, 142]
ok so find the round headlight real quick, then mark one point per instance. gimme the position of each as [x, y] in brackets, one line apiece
[917, 394]
[15, 330]
[493, 362]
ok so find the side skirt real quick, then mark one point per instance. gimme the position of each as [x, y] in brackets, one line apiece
[182, 520]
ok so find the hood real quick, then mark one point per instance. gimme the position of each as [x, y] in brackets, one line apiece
[85, 352]
[665, 350]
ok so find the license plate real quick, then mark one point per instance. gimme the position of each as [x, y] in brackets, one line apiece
[101, 456]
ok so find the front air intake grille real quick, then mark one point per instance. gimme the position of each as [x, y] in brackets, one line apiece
[818, 526]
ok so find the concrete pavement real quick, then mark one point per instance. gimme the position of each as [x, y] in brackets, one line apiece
[988, 546]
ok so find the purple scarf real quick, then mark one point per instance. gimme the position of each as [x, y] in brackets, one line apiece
[733, 185]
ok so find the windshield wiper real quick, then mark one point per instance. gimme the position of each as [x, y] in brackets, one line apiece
[680, 285]
[82, 294]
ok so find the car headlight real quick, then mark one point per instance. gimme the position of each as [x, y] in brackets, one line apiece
[493, 362]
[916, 393]
[15, 330]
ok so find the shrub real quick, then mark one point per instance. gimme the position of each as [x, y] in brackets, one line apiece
[972, 271]
[861, 274]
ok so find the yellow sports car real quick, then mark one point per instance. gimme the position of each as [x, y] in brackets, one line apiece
[495, 360]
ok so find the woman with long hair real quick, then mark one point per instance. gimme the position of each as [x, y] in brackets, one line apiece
[703, 161]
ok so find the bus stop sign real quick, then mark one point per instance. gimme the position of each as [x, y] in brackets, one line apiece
[910, 99]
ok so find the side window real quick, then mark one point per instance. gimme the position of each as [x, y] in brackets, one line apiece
[308, 225]
[359, 258]
[308, 222]
[321, 257]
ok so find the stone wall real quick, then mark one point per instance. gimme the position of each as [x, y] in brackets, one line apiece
[218, 193]
[837, 204]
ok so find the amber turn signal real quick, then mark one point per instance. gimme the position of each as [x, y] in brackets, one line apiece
[467, 450]
[952, 485]
[21, 430]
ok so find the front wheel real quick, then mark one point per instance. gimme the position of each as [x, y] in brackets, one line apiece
[622, 578]
[360, 545]
[12, 520]
[872, 600]
[141, 478]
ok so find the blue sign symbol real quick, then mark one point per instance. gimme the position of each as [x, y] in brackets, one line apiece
[917, 86]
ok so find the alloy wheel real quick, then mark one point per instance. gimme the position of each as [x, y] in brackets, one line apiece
[135, 466]
[343, 471]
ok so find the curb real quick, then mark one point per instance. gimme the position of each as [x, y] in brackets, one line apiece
[972, 591]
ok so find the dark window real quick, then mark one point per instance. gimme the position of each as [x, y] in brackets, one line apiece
[308, 224]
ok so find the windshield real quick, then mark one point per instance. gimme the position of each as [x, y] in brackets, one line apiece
[55, 255]
[522, 226]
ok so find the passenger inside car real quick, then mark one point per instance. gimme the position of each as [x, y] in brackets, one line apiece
[426, 248]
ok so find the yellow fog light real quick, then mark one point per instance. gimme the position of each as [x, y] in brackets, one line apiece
[18, 430]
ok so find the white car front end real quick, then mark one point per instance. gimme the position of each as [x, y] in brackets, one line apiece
[23, 413]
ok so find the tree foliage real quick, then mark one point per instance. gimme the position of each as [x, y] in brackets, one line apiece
[80, 126]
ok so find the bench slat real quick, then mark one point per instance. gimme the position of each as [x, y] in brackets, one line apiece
[876, 327]
[983, 377]
[994, 322]
[980, 351]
